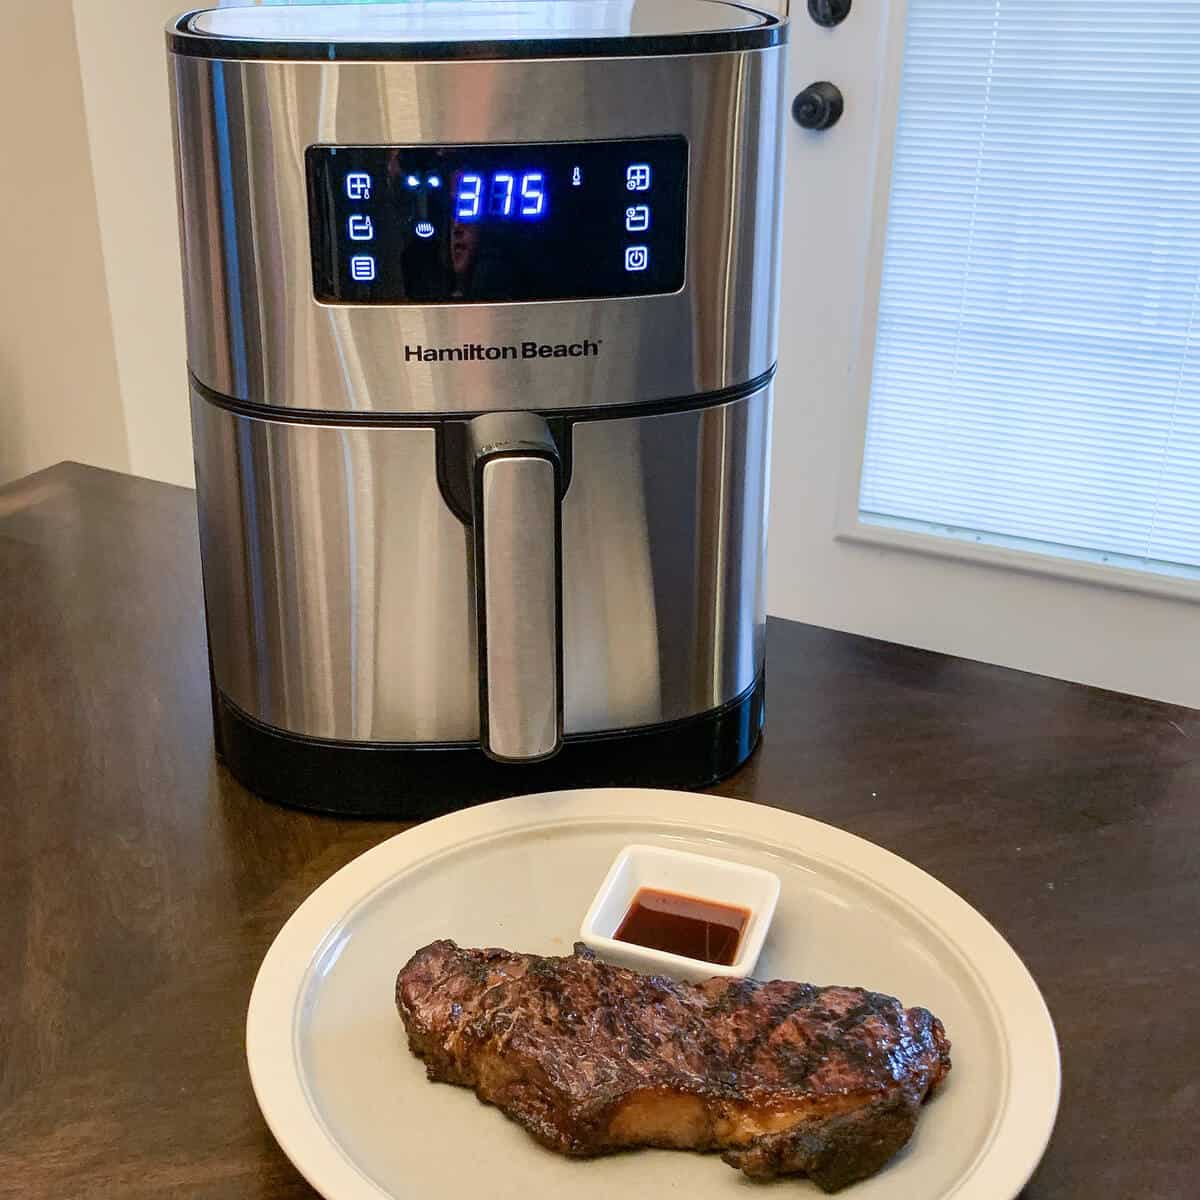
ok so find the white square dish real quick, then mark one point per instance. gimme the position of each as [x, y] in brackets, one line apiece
[687, 874]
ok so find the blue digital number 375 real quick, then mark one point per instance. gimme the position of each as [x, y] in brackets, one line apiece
[507, 195]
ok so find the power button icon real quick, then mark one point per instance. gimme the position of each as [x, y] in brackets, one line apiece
[637, 258]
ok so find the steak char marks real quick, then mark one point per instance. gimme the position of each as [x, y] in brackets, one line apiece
[783, 1078]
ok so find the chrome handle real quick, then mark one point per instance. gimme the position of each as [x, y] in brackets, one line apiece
[517, 566]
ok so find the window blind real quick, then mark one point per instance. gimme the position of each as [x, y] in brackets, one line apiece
[1036, 378]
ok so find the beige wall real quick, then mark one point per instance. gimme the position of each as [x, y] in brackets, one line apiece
[59, 391]
[122, 62]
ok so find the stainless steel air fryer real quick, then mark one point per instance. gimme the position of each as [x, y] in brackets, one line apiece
[481, 312]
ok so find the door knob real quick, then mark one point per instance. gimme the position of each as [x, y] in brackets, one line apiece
[829, 12]
[819, 106]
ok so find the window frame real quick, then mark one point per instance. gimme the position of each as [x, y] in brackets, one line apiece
[848, 526]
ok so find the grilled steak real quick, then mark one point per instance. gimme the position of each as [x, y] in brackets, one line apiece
[785, 1078]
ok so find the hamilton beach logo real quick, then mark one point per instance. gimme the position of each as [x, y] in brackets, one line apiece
[478, 352]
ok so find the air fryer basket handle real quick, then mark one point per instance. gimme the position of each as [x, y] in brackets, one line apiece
[516, 489]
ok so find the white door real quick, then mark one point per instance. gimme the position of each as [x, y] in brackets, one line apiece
[1033, 472]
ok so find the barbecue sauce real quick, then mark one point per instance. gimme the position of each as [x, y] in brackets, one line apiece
[685, 925]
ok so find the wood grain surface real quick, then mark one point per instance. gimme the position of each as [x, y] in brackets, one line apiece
[141, 886]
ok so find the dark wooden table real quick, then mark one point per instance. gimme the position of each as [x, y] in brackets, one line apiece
[141, 885]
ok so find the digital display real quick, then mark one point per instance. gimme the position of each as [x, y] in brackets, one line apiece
[484, 224]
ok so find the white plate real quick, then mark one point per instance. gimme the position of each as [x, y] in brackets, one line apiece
[352, 1109]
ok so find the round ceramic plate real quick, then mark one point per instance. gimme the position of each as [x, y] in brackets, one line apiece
[351, 1106]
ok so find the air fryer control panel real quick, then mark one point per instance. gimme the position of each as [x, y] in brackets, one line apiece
[488, 223]
[442, 236]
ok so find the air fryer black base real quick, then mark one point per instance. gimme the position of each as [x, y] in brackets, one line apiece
[410, 783]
